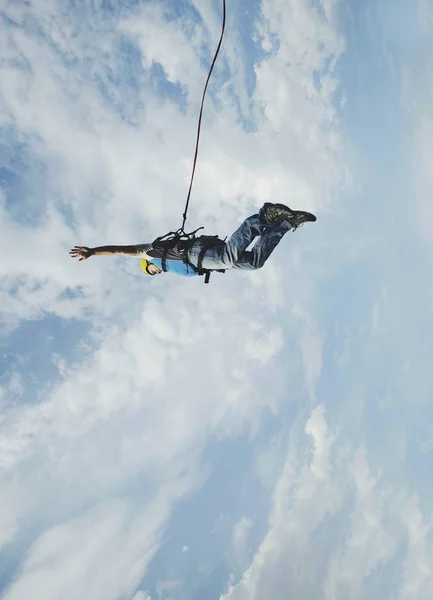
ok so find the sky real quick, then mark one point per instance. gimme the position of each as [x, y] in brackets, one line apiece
[269, 435]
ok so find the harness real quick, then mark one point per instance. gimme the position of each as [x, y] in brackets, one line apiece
[208, 241]
[184, 241]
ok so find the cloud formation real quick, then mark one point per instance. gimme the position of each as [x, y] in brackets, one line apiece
[117, 393]
[337, 502]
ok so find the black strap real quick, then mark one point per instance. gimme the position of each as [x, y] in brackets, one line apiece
[164, 259]
[176, 236]
[208, 242]
[208, 272]
[171, 235]
[201, 257]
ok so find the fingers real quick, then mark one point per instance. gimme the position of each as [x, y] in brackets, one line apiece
[80, 252]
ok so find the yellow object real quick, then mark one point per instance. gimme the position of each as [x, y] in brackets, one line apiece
[144, 264]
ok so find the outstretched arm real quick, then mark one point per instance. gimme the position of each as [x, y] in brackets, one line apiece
[83, 252]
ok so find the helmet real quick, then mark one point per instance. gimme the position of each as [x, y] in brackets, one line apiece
[144, 264]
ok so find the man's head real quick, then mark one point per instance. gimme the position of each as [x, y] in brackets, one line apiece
[149, 268]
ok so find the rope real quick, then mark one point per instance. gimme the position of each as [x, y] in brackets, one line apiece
[185, 212]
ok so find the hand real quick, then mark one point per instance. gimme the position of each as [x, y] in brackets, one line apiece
[153, 269]
[81, 252]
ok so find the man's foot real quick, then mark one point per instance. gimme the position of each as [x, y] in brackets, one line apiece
[274, 214]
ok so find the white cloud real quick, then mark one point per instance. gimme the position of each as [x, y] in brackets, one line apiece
[240, 535]
[334, 489]
[302, 498]
[164, 42]
[311, 348]
[141, 596]
[101, 553]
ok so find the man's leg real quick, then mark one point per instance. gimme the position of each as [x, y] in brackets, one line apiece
[227, 255]
[239, 241]
[278, 220]
[263, 248]
[270, 225]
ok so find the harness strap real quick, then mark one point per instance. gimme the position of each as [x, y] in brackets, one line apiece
[208, 242]
[175, 236]
[164, 259]
[168, 241]
[201, 257]
[208, 272]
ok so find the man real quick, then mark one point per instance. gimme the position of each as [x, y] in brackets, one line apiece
[204, 254]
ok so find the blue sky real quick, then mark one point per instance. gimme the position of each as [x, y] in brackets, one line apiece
[269, 435]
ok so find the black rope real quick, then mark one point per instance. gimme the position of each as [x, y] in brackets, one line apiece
[185, 212]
